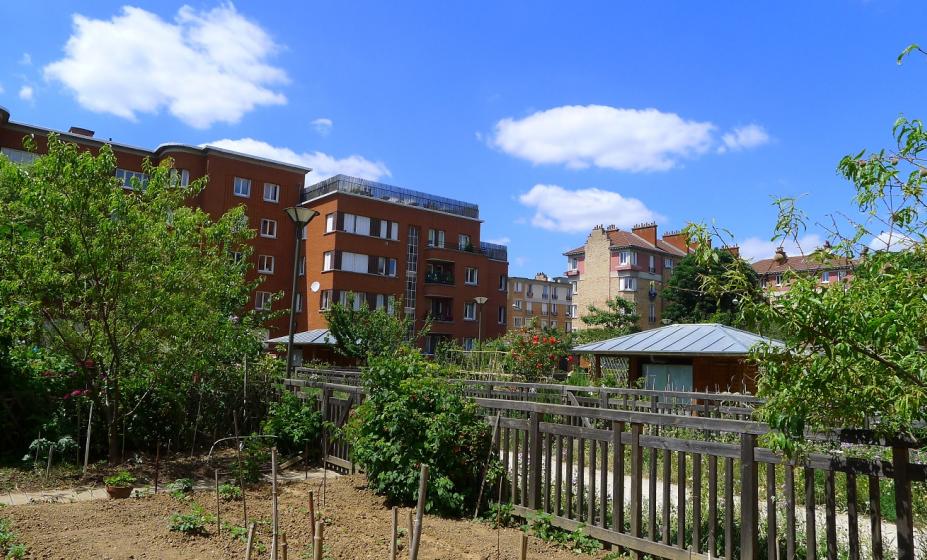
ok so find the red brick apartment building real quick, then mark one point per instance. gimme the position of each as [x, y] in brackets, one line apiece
[264, 187]
[385, 244]
[773, 272]
[634, 265]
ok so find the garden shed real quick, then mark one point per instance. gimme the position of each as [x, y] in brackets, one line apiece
[683, 357]
[316, 345]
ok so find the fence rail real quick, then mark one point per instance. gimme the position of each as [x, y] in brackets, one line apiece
[676, 481]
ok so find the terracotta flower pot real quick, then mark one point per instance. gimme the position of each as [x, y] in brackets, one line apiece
[119, 492]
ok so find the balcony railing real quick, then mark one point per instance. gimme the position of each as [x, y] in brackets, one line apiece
[446, 278]
[439, 317]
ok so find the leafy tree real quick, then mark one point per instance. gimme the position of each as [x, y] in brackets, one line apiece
[853, 352]
[620, 317]
[294, 421]
[413, 415]
[135, 289]
[688, 302]
[362, 332]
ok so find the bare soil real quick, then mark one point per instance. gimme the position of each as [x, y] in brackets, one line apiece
[357, 527]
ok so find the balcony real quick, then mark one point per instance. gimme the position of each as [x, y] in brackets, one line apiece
[573, 272]
[439, 273]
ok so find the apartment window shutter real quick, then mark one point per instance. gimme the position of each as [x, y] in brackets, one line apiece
[372, 264]
[337, 265]
[375, 227]
[371, 300]
[340, 217]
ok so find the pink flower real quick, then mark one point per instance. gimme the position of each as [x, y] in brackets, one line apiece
[76, 393]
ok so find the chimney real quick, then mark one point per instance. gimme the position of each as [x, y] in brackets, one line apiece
[734, 250]
[646, 231]
[677, 239]
[540, 276]
[78, 131]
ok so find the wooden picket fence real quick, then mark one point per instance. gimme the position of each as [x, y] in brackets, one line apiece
[677, 475]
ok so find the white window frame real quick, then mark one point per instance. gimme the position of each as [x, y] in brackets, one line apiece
[575, 287]
[299, 302]
[475, 273]
[263, 301]
[266, 264]
[328, 261]
[436, 238]
[268, 228]
[325, 299]
[841, 275]
[237, 257]
[502, 315]
[652, 313]
[469, 311]
[463, 240]
[652, 263]
[778, 278]
[627, 257]
[301, 266]
[331, 222]
[628, 284]
[529, 306]
[274, 189]
[468, 343]
[241, 187]
[518, 287]
[517, 304]
[519, 322]
[667, 262]
[574, 263]
[825, 277]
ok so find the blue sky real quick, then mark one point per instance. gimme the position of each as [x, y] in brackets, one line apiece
[552, 117]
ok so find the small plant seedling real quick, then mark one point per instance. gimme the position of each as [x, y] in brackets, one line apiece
[193, 523]
[122, 479]
[181, 487]
[229, 492]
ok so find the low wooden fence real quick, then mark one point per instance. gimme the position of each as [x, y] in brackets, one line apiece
[674, 483]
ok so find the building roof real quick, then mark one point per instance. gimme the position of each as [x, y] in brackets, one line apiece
[319, 337]
[388, 193]
[801, 263]
[699, 339]
[620, 239]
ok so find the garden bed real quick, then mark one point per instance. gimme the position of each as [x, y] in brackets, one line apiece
[357, 527]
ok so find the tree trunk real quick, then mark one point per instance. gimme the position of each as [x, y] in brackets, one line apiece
[114, 454]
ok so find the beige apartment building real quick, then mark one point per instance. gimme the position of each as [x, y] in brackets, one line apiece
[634, 265]
[548, 300]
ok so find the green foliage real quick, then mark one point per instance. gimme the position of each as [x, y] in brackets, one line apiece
[293, 421]
[181, 487]
[363, 332]
[254, 455]
[500, 515]
[229, 492]
[130, 291]
[535, 353]
[122, 479]
[619, 315]
[852, 351]
[413, 415]
[193, 523]
[10, 547]
[541, 526]
[688, 302]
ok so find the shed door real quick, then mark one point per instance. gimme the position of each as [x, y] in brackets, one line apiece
[665, 377]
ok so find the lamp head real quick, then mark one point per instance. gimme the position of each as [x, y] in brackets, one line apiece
[480, 300]
[301, 215]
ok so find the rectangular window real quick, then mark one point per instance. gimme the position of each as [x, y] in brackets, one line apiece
[180, 177]
[242, 187]
[503, 283]
[301, 268]
[463, 242]
[574, 263]
[652, 313]
[573, 311]
[553, 324]
[19, 157]
[263, 301]
[529, 306]
[468, 343]
[519, 322]
[545, 292]
[841, 275]
[825, 277]
[553, 309]
[575, 287]
[778, 279]
[325, 300]
[125, 177]
[628, 284]
[627, 257]
[667, 263]
[268, 228]
[517, 287]
[327, 258]
[354, 262]
[651, 264]
[543, 309]
[265, 264]
[271, 192]
[436, 238]
[386, 266]
[763, 281]
[299, 302]
[471, 276]
[330, 222]
[394, 231]
[237, 257]
[470, 311]
[568, 326]
[501, 315]
[543, 323]
[517, 304]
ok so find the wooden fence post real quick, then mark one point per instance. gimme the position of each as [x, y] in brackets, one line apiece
[749, 505]
[419, 512]
[534, 459]
[904, 522]
[637, 458]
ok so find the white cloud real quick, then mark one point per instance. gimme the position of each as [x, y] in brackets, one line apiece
[891, 241]
[521, 261]
[1, 88]
[755, 248]
[26, 93]
[499, 240]
[744, 138]
[597, 135]
[322, 164]
[204, 66]
[560, 209]
[322, 125]
[26, 59]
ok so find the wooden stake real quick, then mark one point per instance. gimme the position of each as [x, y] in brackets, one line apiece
[283, 546]
[250, 541]
[311, 515]
[241, 481]
[157, 464]
[51, 451]
[218, 512]
[318, 541]
[419, 512]
[523, 555]
[492, 444]
[393, 545]
[411, 530]
[87, 445]
[273, 503]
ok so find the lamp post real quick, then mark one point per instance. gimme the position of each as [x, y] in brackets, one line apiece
[480, 300]
[301, 217]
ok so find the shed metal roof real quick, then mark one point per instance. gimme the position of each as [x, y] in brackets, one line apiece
[320, 337]
[680, 340]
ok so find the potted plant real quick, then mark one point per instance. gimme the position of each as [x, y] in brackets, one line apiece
[119, 485]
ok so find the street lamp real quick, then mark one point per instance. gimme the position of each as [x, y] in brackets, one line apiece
[480, 300]
[301, 217]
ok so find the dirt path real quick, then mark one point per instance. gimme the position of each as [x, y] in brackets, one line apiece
[357, 528]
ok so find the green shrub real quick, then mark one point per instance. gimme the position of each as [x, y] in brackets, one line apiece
[193, 523]
[293, 421]
[413, 415]
[541, 526]
[229, 492]
[254, 455]
[181, 487]
[122, 479]
[9, 545]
